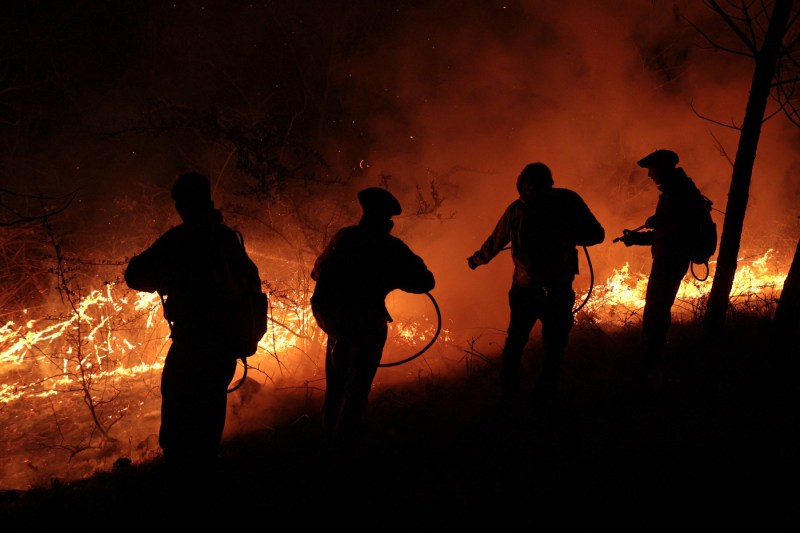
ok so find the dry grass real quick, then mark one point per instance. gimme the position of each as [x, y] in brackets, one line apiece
[707, 441]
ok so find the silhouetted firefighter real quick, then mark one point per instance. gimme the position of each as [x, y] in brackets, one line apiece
[672, 233]
[544, 226]
[359, 267]
[195, 267]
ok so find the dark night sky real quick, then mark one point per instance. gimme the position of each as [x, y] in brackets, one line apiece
[461, 93]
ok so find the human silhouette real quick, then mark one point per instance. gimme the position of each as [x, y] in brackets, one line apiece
[355, 272]
[190, 267]
[544, 226]
[669, 233]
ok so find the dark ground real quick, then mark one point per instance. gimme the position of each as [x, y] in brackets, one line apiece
[708, 442]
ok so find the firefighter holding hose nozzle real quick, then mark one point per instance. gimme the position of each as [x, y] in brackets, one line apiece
[671, 233]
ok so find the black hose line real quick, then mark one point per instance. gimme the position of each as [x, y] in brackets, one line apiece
[591, 281]
[698, 278]
[381, 365]
[439, 325]
[591, 278]
[430, 343]
[244, 376]
[244, 359]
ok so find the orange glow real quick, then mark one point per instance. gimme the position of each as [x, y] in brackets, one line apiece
[112, 347]
[125, 334]
[621, 298]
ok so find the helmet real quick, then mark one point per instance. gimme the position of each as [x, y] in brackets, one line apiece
[379, 202]
[660, 159]
[534, 175]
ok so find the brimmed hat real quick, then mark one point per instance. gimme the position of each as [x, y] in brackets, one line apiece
[379, 202]
[659, 158]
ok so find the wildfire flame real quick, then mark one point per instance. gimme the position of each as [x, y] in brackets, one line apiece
[124, 333]
[620, 299]
[108, 348]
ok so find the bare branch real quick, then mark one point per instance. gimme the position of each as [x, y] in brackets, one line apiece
[790, 110]
[24, 219]
[723, 152]
[731, 126]
[792, 21]
[748, 24]
[777, 111]
[714, 6]
[791, 81]
[714, 44]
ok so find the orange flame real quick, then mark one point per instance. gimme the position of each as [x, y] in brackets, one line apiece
[125, 334]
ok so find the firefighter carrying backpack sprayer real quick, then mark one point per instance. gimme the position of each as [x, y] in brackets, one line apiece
[704, 242]
[241, 308]
[247, 311]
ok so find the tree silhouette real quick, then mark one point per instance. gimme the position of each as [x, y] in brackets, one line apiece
[766, 32]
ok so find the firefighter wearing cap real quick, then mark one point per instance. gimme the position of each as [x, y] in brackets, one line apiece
[544, 226]
[355, 272]
[668, 233]
[185, 267]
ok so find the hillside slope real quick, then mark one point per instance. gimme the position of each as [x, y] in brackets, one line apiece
[707, 441]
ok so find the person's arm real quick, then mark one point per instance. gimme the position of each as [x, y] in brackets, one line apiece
[323, 257]
[589, 231]
[417, 278]
[495, 243]
[147, 271]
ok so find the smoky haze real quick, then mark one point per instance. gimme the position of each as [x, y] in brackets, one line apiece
[460, 95]
[442, 101]
[586, 87]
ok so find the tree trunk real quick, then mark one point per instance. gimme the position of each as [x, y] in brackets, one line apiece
[738, 194]
[786, 324]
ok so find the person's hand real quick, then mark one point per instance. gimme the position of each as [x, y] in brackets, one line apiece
[630, 237]
[472, 263]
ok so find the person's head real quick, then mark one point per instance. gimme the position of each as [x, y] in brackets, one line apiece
[659, 165]
[192, 194]
[378, 206]
[534, 179]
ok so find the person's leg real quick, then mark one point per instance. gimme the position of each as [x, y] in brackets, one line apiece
[665, 279]
[523, 305]
[336, 367]
[194, 386]
[366, 356]
[175, 402]
[212, 404]
[557, 322]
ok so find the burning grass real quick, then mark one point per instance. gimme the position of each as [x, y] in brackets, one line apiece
[80, 387]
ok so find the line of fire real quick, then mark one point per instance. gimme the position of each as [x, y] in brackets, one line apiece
[80, 387]
[292, 107]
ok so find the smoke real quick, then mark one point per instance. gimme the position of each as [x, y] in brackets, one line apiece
[442, 99]
[586, 87]
[426, 97]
